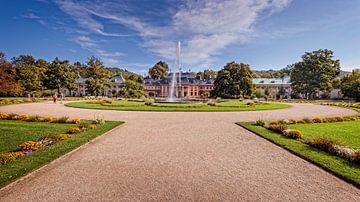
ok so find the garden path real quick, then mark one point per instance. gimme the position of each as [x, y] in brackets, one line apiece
[183, 156]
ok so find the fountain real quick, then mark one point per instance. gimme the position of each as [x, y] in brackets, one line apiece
[173, 86]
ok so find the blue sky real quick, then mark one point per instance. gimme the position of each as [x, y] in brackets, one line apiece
[135, 34]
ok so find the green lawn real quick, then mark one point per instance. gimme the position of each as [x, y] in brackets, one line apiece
[337, 165]
[347, 132]
[18, 131]
[233, 105]
[14, 133]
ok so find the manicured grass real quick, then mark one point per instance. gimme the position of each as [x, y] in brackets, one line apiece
[347, 132]
[233, 105]
[339, 166]
[20, 167]
[14, 133]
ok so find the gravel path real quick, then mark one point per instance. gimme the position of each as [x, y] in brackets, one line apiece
[181, 156]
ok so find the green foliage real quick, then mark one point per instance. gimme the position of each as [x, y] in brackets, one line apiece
[30, 73]
[350, 85]
[316, 72]
[234, 81]
[132, 89]
[206, 74]
[260, 122]
[98, 77]
[159, 70]
[60, 75]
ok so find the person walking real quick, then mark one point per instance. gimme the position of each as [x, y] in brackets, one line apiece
[55, 98]
[61, 97]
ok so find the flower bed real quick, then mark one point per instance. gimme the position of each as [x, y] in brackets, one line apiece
[30, 146]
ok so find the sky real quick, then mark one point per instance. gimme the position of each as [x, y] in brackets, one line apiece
[135, 34]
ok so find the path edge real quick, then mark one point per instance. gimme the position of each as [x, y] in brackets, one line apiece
[40, 169]
[352, 182]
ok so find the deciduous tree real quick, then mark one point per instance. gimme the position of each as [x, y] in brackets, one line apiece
[60, 74]
[98, 77]
[315, 73]
[350, 85]
[234, 81]
[159, 70]
[9, 86]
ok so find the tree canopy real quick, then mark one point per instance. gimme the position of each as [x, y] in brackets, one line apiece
[9, 86]
[314, 73]
[206, 74]
[350, 85]
[98, 77]
[234, 81]
[60, 75]
[159, 71]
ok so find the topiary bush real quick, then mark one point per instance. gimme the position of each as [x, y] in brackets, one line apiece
[149, 102]
[211, 103]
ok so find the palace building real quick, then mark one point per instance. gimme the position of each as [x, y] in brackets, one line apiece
[185, 87]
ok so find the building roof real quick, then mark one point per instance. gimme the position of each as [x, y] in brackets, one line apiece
[272, 81]
[117, 79]
[186, 78]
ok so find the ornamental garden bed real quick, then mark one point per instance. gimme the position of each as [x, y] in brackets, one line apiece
[124, 105]
[29, 142]
[332, 143]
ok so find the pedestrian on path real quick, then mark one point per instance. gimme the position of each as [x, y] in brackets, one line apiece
[55, 98]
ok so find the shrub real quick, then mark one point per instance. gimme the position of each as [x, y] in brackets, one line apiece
[107, 100]
[74, 130]
[48, 119]
[300, 121]
[9, 156]
[260, 122]
[295, 134]
[92, 126]
[355, 156]
[149, 102]
[307, 120]
[211, 103]
[60, 137]
[61, 120]
[292, 121]
[99, 121]
[339, 119]
[30, 145]
[317, 120]
[23, 117]
[75, 121]
[324, 143]
[4, 115]
[250, 103]
[278, 128]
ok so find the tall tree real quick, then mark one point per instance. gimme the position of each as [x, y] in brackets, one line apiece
[206, 74]
[315, 73]
[9, 86]
[29, 72]
[159, 71]
[132, 89]
[350, 85]
[234, 81]
[98, 77]
[60, 74]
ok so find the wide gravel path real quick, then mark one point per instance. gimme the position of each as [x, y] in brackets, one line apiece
[182, 156]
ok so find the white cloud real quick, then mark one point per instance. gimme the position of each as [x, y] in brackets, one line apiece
[109, 58]
[205, 27]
